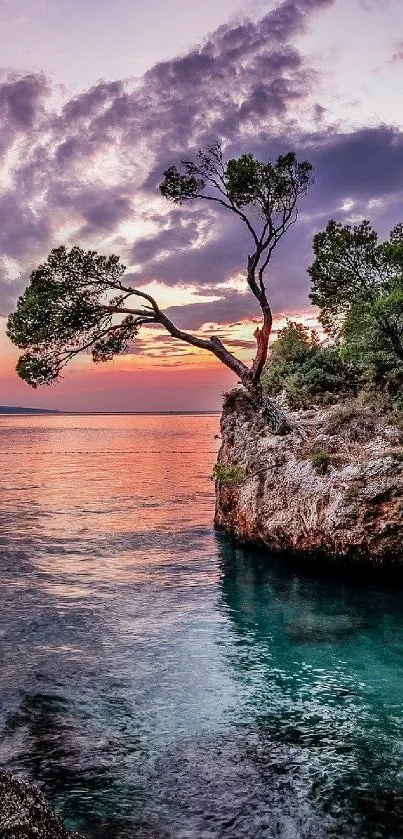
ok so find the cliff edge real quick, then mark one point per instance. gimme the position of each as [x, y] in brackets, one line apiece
[333, 493]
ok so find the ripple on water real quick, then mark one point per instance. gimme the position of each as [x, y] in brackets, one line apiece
[158, 682]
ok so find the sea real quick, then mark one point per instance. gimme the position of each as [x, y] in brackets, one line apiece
[159, 681]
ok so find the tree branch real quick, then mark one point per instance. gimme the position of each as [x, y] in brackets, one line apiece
[213, 345]
[235, 209]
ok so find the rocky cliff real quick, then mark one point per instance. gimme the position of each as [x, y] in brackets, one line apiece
[333, 493]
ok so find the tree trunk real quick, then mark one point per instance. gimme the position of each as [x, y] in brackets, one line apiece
[276, 419]
[262, 336]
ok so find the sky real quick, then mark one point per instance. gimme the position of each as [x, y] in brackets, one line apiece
[97, 98]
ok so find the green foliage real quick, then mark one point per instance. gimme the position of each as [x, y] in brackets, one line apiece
[352, 493]
[357, 284]
[343, 267]
[62, 312]
[395, 412]
[180, 187]
[366, 344]
[321, 462]
[305, 371]
[269, 189]
[294, 343]
[244, 177]
[76, 301]
[231, 474]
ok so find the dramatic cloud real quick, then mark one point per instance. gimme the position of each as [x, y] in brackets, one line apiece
[88, 171]
[78, 173]
[397, 55]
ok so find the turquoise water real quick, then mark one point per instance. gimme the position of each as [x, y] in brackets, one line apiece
[158, 681]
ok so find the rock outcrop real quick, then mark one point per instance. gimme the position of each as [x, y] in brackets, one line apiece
[24, 813]
[333, 494]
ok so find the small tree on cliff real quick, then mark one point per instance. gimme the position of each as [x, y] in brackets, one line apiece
[77, 301]
[357, 283]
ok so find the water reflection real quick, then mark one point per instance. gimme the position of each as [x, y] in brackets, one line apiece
[155, 680]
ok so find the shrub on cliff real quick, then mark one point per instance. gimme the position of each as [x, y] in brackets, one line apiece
[321, 462]
[233, 473]
[307, 372]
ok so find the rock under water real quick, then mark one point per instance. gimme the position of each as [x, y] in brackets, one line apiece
[24, 813]
[333, 493]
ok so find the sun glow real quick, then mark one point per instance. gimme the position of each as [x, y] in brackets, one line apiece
[167, 296]
[237, 282]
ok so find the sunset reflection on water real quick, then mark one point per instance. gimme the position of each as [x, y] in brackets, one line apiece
[158, 681]
[94, 478]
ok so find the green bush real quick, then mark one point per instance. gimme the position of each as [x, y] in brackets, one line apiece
[321, 462]
[231, 474]
[307, 372]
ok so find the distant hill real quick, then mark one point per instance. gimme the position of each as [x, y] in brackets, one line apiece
[7, 409]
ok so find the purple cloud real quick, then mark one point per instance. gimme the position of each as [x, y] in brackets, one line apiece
[97, 163]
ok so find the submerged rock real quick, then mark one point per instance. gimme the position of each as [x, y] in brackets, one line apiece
[335, 492]
[24, 813]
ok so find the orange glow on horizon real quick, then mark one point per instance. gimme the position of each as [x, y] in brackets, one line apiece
[162, 373]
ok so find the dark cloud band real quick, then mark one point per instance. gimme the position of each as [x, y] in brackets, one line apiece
[76, 175]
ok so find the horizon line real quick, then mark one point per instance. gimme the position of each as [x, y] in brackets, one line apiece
[20, 411]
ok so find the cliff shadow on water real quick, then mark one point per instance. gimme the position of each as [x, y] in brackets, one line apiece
[321, 661]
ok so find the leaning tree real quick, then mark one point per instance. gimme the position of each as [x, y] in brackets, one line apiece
[78, 301]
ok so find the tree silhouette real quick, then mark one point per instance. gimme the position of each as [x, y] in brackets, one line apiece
[77, 301]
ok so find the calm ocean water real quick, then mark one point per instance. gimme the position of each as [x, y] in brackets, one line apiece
[157, 681]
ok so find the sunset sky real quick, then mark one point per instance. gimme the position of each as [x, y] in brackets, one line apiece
[98, 97]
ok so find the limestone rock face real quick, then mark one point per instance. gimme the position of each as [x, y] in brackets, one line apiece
[336, 493]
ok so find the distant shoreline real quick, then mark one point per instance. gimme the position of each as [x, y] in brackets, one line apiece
[39, 412]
